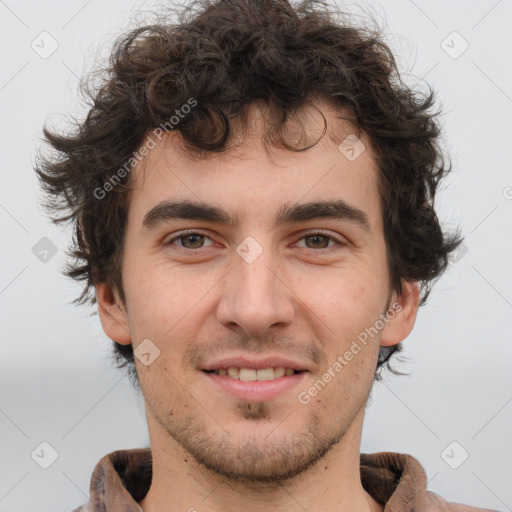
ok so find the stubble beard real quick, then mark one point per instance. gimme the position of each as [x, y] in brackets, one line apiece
[267, 460]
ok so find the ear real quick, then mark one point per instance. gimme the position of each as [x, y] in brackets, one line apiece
[112, 314]
[401, 315]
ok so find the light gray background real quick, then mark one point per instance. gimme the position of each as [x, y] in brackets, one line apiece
[56, 381]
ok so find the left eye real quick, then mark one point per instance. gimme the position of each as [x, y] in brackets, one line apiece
[192, 236]
[195, 240]
[314, 237]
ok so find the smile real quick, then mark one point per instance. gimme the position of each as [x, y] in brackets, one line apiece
[244, 384]
[250, 374]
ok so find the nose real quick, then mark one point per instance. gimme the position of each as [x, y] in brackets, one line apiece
[255, 296]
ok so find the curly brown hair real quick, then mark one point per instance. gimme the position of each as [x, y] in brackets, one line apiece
[226, 54]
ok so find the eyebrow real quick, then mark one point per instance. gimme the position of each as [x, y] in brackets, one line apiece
[200, 211]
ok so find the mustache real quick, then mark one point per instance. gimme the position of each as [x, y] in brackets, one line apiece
[199, 353]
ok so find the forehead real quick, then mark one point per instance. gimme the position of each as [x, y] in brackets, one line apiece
[253, 175]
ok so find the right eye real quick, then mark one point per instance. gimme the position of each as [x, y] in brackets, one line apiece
[195, 238]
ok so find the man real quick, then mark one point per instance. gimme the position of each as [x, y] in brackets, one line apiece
[252, 196]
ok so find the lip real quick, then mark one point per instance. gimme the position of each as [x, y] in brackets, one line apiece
[255, 363]
[258, 391]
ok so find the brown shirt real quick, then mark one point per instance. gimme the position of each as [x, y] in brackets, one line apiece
[122, 478]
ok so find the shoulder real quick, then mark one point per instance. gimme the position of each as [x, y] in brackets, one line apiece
[437, 503]
[88, 507]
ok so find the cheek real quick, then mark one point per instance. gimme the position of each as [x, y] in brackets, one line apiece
[152, 290]
[352, 301]
[347, 392]
[350, 310]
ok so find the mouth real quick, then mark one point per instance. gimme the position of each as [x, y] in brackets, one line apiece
[252, 384]
[252, 374]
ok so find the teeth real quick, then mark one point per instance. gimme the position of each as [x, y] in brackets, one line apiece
[234, 372]
[247, 374]
[265, 374]
[279, 372]
[250, 374]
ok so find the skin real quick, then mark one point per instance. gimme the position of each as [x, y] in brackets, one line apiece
[304, 298]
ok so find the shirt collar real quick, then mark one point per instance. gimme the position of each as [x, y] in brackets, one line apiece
[122, 478]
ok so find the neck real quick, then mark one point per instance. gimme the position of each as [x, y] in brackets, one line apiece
[332, 484]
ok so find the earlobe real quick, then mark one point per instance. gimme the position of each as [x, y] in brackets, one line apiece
[112, 315]
[401, 315]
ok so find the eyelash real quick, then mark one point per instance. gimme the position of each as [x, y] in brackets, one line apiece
[320, 232]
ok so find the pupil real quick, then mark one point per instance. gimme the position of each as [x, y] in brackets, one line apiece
[317, 237]
[188, 237]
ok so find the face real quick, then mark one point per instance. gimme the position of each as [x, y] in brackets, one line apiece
[283, 285]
